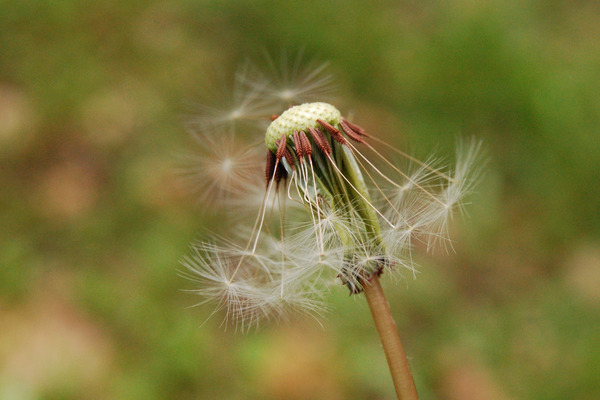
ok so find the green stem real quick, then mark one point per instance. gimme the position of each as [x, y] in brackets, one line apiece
[390, 339]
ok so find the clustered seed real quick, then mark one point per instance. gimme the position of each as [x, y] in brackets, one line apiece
[303, 148]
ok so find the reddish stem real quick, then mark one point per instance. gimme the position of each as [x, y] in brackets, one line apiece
[392, 346]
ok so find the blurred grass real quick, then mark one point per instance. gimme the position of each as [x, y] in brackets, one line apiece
[92, 100]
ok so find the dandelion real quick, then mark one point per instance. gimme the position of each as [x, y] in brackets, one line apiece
[332, 206]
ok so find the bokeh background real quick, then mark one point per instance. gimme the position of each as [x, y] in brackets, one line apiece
[93, 101]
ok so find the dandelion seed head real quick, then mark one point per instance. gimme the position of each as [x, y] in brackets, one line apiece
[300, 118]
[333, 207]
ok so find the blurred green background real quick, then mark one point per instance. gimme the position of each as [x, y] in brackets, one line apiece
[93, 101]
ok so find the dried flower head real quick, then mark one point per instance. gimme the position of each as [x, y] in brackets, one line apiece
[360, 214]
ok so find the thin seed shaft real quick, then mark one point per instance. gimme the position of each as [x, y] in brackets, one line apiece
[417, 185]
[332, 163]
[258, 223]
[411, 158]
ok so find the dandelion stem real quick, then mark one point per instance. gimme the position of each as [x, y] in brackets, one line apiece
[390, 339]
